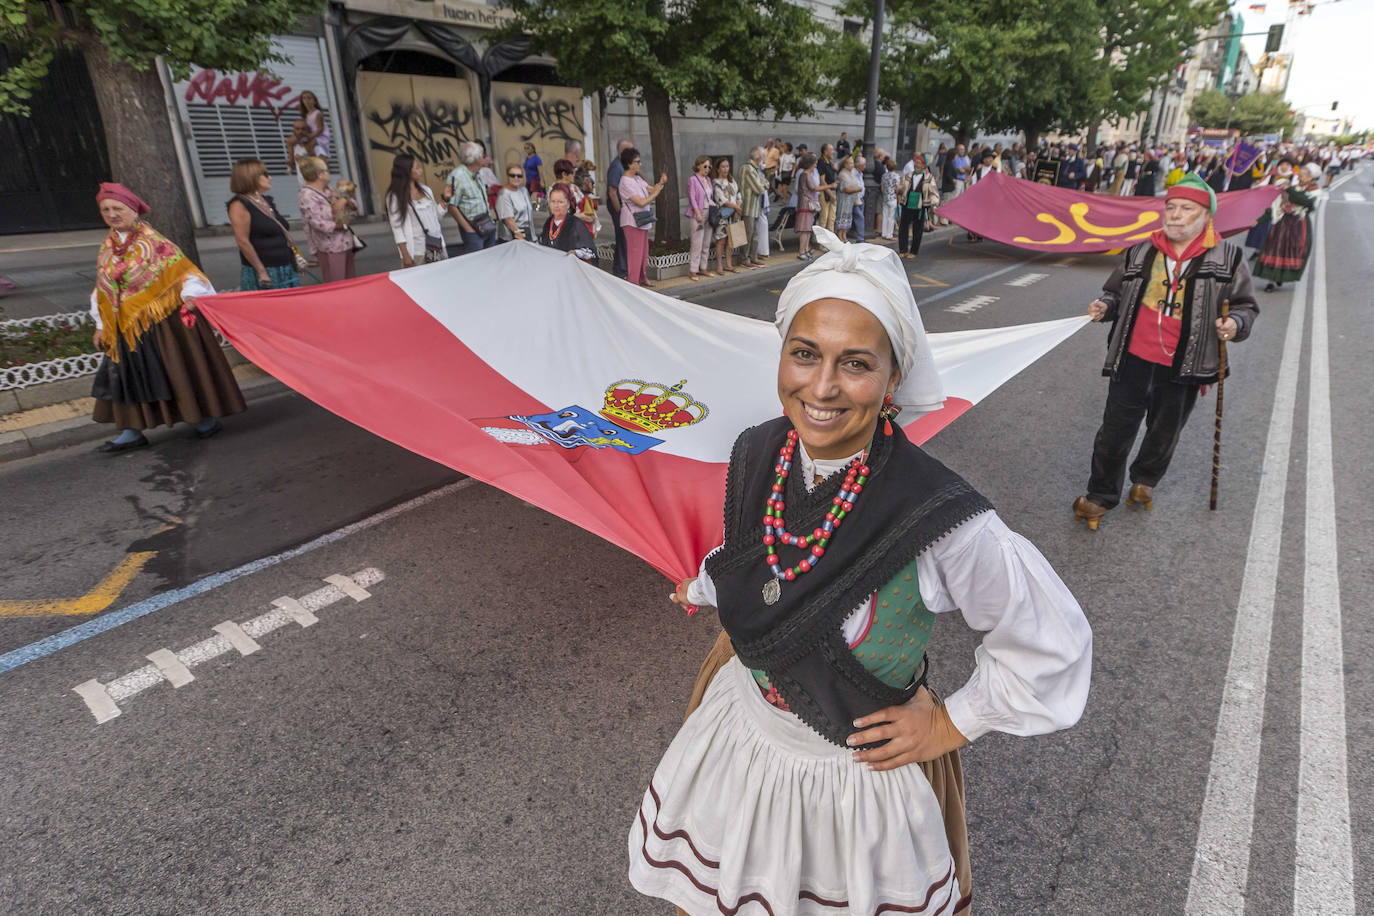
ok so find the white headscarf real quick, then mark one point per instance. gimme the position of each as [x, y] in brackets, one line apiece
[873, 278]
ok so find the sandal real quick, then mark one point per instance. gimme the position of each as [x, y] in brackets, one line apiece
[731, 270]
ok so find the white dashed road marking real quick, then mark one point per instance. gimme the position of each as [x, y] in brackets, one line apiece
[972, 304]
[175, 667]
[1355, 196]
[1026, 280]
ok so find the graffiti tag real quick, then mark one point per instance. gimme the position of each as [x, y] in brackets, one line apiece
[258, 90]
[554, 119]
[430, 132]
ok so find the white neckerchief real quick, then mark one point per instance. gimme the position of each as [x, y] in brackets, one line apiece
[820, 467]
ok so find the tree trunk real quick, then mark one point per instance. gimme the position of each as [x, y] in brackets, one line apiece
[1032, 133]
[668, 225]
[139, 139]
[1091, 142]
[961, 134]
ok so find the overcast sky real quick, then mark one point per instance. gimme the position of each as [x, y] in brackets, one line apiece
[1332, 48]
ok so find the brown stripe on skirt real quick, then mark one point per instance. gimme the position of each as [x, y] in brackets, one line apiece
[946, 775]
[202, 383]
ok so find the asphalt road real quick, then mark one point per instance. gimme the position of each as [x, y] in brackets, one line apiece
[475, 735]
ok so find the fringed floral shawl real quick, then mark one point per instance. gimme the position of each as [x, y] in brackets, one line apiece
[138, 283]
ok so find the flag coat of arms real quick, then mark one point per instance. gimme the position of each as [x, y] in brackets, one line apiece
[606, 404]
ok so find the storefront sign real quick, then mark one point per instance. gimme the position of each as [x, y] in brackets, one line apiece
[456, 12]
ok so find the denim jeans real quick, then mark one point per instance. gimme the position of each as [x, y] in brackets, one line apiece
[474, 242]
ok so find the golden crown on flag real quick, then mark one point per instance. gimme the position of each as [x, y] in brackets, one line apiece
[649, 407]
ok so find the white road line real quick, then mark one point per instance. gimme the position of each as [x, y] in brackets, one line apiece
[97, 700]
[1221, 858]
[348, 587]
[296, 611]
[1324, 874]
[1354, 195]
[102, 699]
[1026, 280]
[171, 668]
[972, 304]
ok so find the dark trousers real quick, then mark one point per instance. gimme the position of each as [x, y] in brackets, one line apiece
[1141, 391]
[620, 266]
[473, 242]
[857, 228]
[913, 226]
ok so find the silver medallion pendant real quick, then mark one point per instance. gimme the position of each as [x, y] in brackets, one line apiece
[772, 591]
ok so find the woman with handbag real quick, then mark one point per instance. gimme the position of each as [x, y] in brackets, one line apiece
[268, 257]
[325, 216]
[636, 214]
[699, 213]
[415, 216]
[725, 194]
[514, 209]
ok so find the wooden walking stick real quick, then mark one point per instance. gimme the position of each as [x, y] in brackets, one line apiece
[1221, 388]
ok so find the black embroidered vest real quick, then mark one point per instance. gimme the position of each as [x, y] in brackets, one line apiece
[910, 501]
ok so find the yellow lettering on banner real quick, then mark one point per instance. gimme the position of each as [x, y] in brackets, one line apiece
[94, 601]
[1079, 211]
[1065, 236]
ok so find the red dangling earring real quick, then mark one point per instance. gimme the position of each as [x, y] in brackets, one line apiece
[887, 413]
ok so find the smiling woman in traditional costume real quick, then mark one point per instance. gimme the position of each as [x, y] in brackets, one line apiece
[161, 364]
[818, 773]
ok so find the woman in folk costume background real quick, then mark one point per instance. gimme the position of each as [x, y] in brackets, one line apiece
[161, 364]
[816, 772]
[1289, 242]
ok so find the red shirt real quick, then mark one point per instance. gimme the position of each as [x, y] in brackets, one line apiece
[1159, 322]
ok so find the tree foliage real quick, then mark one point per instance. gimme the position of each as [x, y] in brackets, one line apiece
[222, 34]
[1255, 113]
[723, 55]
[985, 64]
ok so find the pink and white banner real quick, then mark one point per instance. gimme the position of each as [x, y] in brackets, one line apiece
[603, 403]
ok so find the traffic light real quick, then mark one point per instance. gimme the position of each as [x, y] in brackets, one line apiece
[1275, 39]
[1334, 104]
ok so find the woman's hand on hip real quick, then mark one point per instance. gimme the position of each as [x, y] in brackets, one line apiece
[918, 730]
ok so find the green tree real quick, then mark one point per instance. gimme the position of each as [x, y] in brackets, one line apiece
[120, 41]
[969, 65]
[1142, 42]
[1255, 113]
[723, 55]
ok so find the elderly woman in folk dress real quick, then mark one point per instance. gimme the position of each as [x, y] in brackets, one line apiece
[161, 364]
[817, 772]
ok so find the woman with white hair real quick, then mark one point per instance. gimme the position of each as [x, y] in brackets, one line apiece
[819, 772]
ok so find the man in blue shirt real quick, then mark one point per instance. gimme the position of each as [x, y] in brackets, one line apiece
[619, 266]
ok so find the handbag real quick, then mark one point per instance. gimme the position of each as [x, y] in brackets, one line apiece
[737, 235]
[483, 224]
[713, 215]
[913, 195]
[435, 249]
[644, 218]
[358, 243]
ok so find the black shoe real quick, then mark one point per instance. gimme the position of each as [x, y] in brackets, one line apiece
[207, 433]
[1270, 288]
[111, 447]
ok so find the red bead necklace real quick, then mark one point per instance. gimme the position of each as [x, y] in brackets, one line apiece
[815, 543]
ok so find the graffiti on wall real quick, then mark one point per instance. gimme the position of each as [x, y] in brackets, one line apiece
[425, 117]
[429, 131]
[256, 90]
[534, 116]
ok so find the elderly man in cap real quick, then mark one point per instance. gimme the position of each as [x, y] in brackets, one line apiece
[1164, 302]
[1074, 170]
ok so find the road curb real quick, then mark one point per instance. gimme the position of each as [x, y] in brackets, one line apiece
[59, 434]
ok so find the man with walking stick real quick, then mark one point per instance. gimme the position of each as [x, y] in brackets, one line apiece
[1165, 302]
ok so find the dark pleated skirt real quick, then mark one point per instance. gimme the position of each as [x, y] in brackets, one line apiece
[175, 373]
[1285, 252]
[946, 775]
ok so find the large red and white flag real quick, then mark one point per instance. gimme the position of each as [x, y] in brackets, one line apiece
[606, 404]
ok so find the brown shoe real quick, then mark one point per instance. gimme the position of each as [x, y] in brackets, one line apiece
[1088, 510]
[1142, 494]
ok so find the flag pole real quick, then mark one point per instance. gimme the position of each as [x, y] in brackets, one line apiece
[1221, 388]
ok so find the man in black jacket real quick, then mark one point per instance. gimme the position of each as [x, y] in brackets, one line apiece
[1164, 302]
